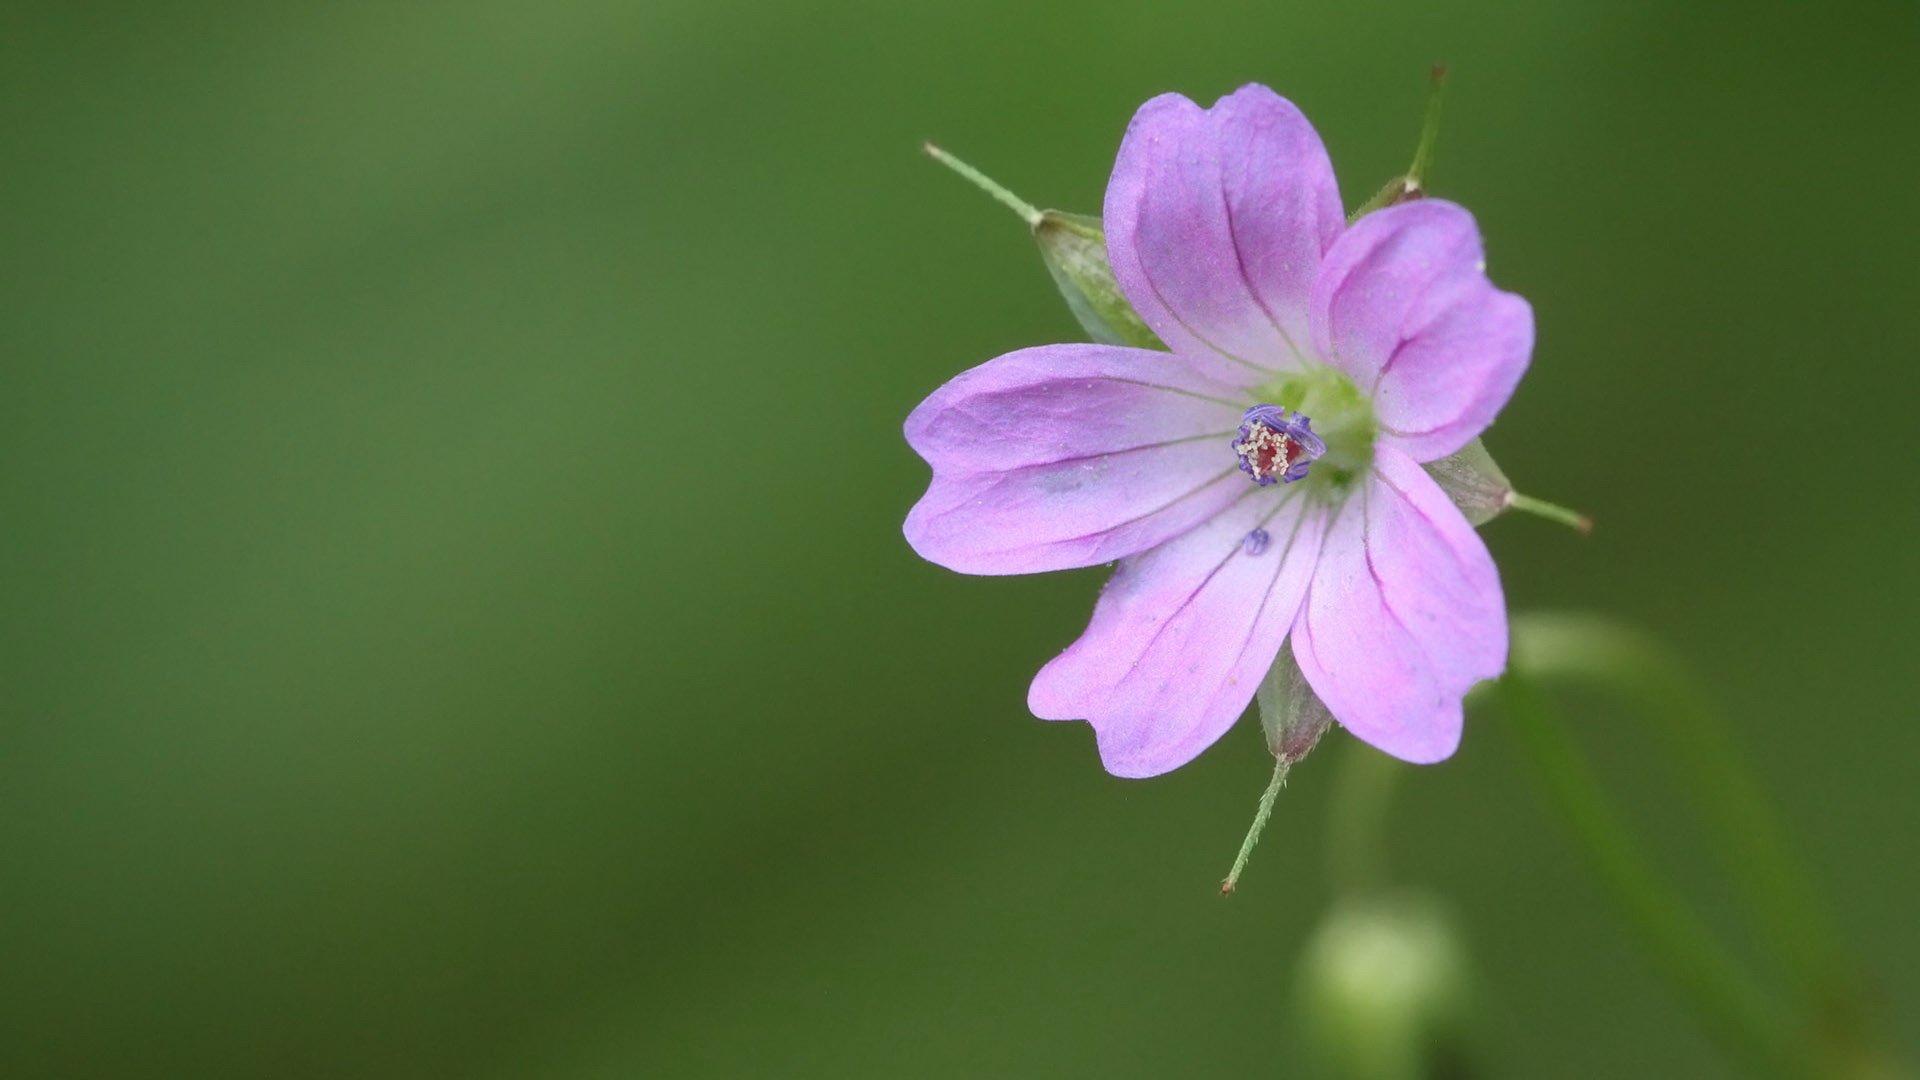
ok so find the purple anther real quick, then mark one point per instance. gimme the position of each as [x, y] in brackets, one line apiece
[1275, 445]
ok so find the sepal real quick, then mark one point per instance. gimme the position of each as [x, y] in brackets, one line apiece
[1474, 481]
[1291, 714]
[1074, 247]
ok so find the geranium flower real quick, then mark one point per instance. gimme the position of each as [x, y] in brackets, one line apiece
[1260, 485]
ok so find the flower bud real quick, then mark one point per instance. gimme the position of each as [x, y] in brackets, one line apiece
[1386, 991]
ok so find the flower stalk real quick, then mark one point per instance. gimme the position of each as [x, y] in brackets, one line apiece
[1357, 821]
[1744, 1020]
[1776, 889]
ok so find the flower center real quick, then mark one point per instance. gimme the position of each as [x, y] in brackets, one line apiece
[1276, 446]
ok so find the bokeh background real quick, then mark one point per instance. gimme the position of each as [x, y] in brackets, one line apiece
[453, 618]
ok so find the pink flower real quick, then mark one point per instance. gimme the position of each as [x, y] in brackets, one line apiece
[1260, 485]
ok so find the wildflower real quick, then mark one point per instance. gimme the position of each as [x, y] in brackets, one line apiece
[1260, 484]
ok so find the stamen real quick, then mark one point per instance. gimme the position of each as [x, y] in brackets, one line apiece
[1276, 446]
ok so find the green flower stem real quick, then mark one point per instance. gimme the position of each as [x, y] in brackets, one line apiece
[1027, 211]
[1357, 819]
[1737, 1013]
[1259, 825]
[1775, 887]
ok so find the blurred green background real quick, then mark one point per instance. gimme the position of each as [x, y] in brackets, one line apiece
[455, 617]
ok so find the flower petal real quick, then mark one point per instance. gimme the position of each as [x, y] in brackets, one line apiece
[1404, 307]
[1216, 221]
[1069, 455]
[1183, 634]
[1404, 614]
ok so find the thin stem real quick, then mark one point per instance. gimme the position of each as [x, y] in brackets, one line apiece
[1259, 825]
[1027, 211]
[1737, 1013]
[1527, 504]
